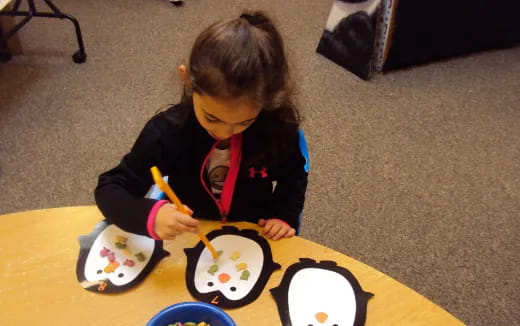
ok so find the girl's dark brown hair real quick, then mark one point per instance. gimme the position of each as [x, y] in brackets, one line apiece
[245, 57]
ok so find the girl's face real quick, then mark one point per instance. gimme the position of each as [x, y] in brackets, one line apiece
[223, 118]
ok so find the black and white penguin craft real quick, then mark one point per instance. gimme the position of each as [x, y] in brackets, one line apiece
[320, 294]
[240, 273]
[112, 260]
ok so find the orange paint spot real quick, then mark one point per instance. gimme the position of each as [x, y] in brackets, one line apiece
[321, 317]
[102, 286]
[111, 267]
[215, 300]
[223, 277]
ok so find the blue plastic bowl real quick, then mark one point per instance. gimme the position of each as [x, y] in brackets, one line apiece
[191, 311]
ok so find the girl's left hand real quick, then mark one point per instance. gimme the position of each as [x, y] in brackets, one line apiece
[276, 229]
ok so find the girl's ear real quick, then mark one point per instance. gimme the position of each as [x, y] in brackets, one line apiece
[183, 72]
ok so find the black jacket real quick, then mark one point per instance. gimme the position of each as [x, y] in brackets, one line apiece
[175, 142]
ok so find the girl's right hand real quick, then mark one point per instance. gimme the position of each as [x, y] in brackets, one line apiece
[169, 222]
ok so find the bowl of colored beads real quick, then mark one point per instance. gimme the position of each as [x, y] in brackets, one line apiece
[191, 314]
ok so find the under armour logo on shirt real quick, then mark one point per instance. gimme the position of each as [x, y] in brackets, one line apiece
[261, 172]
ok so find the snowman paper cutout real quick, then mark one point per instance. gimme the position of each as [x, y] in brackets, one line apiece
[320, 294]
[240, 273]
[107, 266]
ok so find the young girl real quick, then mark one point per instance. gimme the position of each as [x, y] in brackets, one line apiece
[233, 136]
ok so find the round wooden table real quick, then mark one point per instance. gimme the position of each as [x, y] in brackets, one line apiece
[38, 286]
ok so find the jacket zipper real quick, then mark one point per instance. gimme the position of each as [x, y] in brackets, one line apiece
[226, 197]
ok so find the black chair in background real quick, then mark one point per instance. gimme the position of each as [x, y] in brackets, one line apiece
[79, 56]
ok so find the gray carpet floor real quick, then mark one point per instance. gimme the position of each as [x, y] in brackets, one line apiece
[415, 173]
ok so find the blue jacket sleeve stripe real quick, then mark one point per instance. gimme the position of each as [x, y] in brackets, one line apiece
[303, 149]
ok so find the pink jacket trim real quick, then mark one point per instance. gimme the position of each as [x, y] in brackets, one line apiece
[151, 218]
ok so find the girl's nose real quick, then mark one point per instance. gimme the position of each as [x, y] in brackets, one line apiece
[321, 317]
[223, 277]
[227, 132]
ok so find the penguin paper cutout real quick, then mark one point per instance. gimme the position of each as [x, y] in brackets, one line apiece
[112, 260]
[240, 273]
[320, 294]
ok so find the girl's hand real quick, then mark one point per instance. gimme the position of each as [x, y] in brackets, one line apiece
[169, 222]
[276, 229]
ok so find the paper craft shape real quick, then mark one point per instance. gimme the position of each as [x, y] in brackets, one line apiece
[240, 273]
[320, 294]
[112, 260]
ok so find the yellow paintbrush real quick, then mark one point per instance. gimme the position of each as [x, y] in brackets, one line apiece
[163, 186]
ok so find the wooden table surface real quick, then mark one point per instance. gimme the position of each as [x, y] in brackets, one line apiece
[38, 286]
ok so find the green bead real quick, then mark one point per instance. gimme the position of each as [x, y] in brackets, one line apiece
[120, 245]
[245, 275]
[213, 269]
[140, 256]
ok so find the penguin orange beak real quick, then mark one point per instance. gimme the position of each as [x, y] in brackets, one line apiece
[321, 317]
[223, 277]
